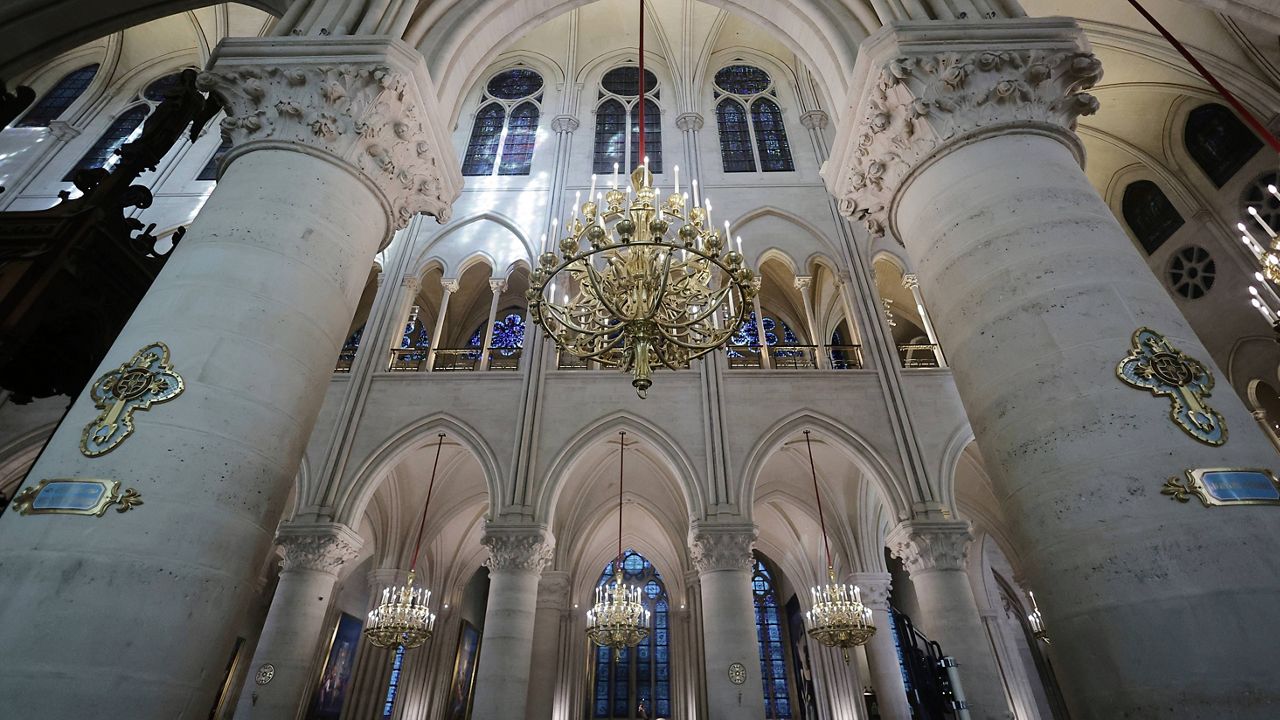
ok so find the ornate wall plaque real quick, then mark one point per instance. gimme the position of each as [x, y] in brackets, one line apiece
[1225, 486]
[145, 380]
[737, 673]
[75, 496]
[1153, 364]
[265, 674]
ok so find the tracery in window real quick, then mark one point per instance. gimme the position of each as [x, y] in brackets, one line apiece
[59, 98]
[506, 126]
[1218, 142]
[1192, 272]
[508, 335]
[749, 334]
[159, 88]
[773, 666]
[742, 90]
[624, 678]
[1150, 215]
[617, 137]
[103, 152]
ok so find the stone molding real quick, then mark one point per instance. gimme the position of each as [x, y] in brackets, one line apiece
[366, 104]
[324, 547]
[712, 549]
[803, 282]
[63, 130]
[875, 587]
[921, 90]
[553, 590]
[910, 281]
[518, 549]
[815, 120]
[925, 546]
[497, 285]
[690, 122]
[450, 285]
[565, 124]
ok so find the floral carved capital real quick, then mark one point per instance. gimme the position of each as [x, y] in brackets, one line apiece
[875, 587]
[920, 96]
[368, 105]
[713, 549]
[931, 545]
[519, 550]
[325, 548]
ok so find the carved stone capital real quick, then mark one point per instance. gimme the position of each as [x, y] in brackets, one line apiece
[923, 89]
[519, 549]
[412, 283]
[564, 123]
[875, 587]
[690, 121]
[924, 546]
[63, 130]
[815, 120]
[366, 104]
[910, 281]
[450, 285]
[497, 285]
[803, 282]
[322, 547]
[722, 548]
[553, 589]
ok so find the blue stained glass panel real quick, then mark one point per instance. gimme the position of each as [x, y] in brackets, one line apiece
[59, 98]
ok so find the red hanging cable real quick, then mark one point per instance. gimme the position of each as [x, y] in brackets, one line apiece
[413, 565]
[622, 452]
[1253, 122]
[821, 520]
[640, 155]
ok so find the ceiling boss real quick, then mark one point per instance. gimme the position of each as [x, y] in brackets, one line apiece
[641, 282]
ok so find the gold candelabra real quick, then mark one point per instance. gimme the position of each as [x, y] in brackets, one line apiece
[618, 618]
[403, 617]
[838, 618]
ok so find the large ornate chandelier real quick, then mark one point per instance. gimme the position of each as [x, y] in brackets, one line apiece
[1267, 302]
[641, 282]
[618, 619]
[837, 617]
[403, 616]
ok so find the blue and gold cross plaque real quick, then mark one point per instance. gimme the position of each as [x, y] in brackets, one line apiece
[1155, 365]
[145, 380]
[75, 496]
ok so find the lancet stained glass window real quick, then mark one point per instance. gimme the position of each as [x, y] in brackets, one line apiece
[506, 126]
[59, 98]
[743, 90]
[1150, 215]
[1218, 142]
[773, 665]
[626, 677]
[617, 138]
[119, 132]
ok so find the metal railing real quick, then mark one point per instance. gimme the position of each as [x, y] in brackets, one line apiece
[409, 360]
[794, 357]
[918, 356]
[346, 358]
[845, 357]
[453, 359]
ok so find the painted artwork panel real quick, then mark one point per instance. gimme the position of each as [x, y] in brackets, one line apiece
[462, 690]
[335, 680]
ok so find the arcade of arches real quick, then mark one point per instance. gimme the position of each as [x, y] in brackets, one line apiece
[955, 247]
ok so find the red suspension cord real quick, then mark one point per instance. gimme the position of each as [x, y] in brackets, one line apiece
[640, 155]
[821, 520]
[622, 453]
[1253, 122]
[417, 544]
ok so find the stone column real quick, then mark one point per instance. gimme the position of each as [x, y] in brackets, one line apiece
[553, 603]
[722, 556]
[496, 286]
[450, 286]
[313, 555]
[253, 306]
[934, 553]
[970, 160]
[911, 281]
[882, 653]
[766, 354]
[517, 557]
[804, 283]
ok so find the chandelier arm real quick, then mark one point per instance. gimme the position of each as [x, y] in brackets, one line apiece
[595, 279]
[413, 565]
[567, 321]
[656, 304]
[714, 302]
[813, 470]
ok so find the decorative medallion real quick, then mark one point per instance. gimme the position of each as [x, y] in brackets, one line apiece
[265, 673]
[75, 496]
[1155, 365]
[1225, 486]
[737, 673]
[145, 380]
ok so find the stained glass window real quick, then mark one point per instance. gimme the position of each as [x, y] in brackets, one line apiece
[744, 90]
[625, 678]
[773, 668]
[210, 171]
[1218, 142]
[393, 684]
[617, 137]
[102, 152]
[506, 126]
[159, 89]
[749, 334]
[59, 98]
[735, 137]
[1150, 215]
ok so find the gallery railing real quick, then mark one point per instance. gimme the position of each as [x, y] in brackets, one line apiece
[917, 356]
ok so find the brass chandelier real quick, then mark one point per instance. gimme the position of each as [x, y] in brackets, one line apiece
[837, 617]
[403, 616]
[644, 282]
[618, 619]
